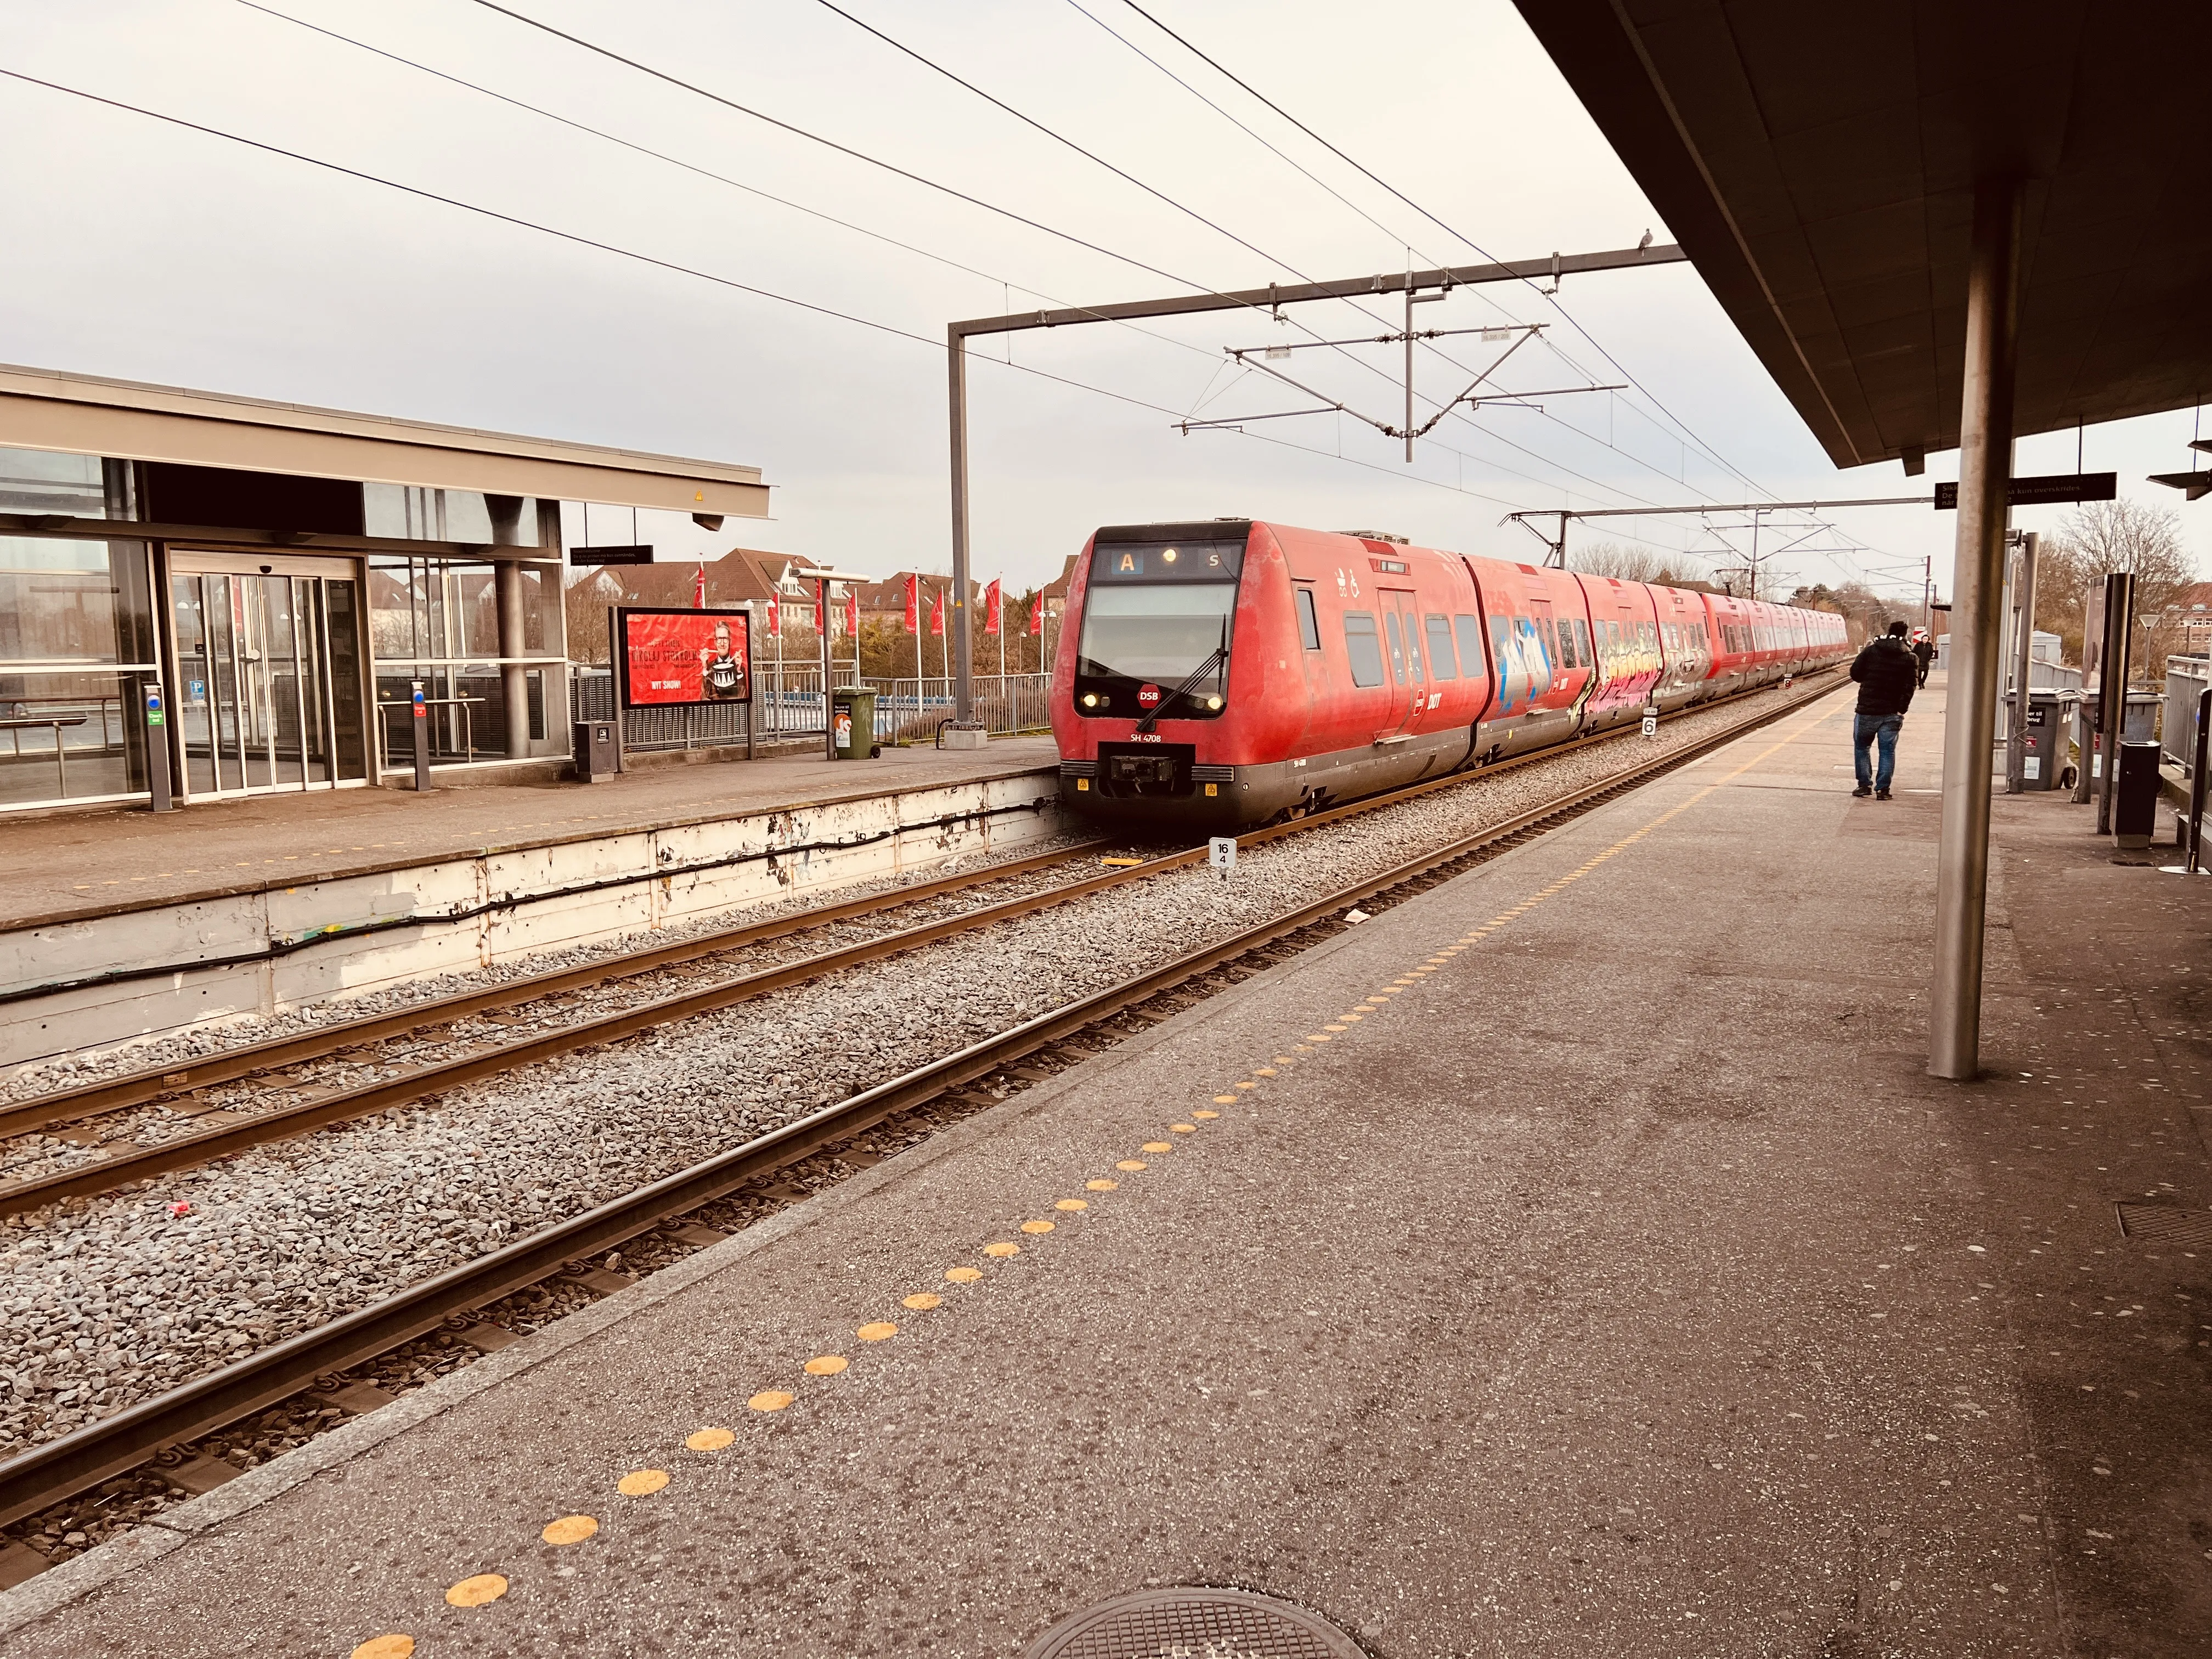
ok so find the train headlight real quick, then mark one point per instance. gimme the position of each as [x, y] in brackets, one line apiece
[1213, 702]
[1091, 700]
[1169, 556]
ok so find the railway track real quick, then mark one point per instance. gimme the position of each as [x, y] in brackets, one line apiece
[277, 1110]
[452, 1301]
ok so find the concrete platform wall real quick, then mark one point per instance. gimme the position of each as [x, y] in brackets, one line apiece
[279, 947]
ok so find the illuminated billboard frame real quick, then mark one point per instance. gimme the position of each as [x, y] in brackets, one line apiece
[681, 658]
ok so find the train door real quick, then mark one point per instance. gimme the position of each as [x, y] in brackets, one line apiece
[1550, 658]
[1402, 631]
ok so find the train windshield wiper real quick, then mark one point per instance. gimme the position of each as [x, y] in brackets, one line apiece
[1218, 654]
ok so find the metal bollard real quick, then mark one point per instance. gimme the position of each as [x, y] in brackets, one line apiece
[158, 792]
[2198, 791]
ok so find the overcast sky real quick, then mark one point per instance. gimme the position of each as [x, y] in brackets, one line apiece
[151, 254]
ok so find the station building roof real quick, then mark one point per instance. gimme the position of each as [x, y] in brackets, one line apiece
[87, 415]
[1819, 164]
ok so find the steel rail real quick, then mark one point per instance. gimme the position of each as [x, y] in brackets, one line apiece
[157, 1085]
[167, 1082]
[62, 1468]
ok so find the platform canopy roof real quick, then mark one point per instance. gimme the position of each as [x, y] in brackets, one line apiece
[87, 415]
[1818, 163]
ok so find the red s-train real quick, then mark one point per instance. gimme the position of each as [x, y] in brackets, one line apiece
[1215, 675]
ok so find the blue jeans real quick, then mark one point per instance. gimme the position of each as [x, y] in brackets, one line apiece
[1866, 729]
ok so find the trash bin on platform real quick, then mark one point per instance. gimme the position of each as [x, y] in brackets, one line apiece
[596, 750]
[852, 717]
[2135, 802]
[2050, 722]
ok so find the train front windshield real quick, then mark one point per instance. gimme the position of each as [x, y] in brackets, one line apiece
[1153, 617]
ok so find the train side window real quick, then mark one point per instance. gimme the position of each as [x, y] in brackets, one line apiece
[1309, 624]
[1441, 663]
[1470, 645]
[1361, 646]
[1397, 648]
[1582, 643]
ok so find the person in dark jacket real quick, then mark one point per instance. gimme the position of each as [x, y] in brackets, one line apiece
[1924, 652]
[1887, 674]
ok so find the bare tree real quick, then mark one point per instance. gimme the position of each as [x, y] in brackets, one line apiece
[2101, 537]
[1628, 564]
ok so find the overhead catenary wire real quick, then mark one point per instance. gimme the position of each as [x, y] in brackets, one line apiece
[679, 268]
[1443, 409]
[1550, 298]
[678, 161]
[678, 82]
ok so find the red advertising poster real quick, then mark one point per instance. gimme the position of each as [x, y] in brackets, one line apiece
[671, 658]
[914, 605]
[992, 602]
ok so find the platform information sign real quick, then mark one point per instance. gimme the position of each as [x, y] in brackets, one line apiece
[2034, 492]
[678, 659]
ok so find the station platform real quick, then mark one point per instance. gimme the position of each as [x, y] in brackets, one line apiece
[1575, 1259]
[79, 865]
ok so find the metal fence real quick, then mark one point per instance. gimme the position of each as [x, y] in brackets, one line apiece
[2185, 680]
[910, 710]
[787, 704]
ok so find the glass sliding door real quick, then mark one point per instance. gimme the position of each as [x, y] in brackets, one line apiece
[269, 661]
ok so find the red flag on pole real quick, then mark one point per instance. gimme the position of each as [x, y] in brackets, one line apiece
[852, 613]
[991, 603]
[914, 605]
[775, 614]
[1037, 615]
[699, 589]
[936, 613]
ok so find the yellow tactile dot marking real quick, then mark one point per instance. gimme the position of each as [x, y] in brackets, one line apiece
[922, 1301]
[1102, 1185]
[829, 1364]
[1159, 1147]
[1228, 1100]
[1182, 1128]
[710, 1440]
[1367, 1008]
[1072, 1203]
[1004, 1247]
[475, 1592]
[1036, 1226]
[570, 1530]
[1317, 1036]
[1284, 1060]
[768, 1399]
[1132, 1165]
[643, 1483]
[1351, 1018]
[385, 1647]
[1208, 1111]
[1329, 1028]
[1262, 1071]
[964, 1275]
[1402, 980]
[877, 1330]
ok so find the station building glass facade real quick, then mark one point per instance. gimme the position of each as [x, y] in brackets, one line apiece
[284, 668]
[77, 636]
